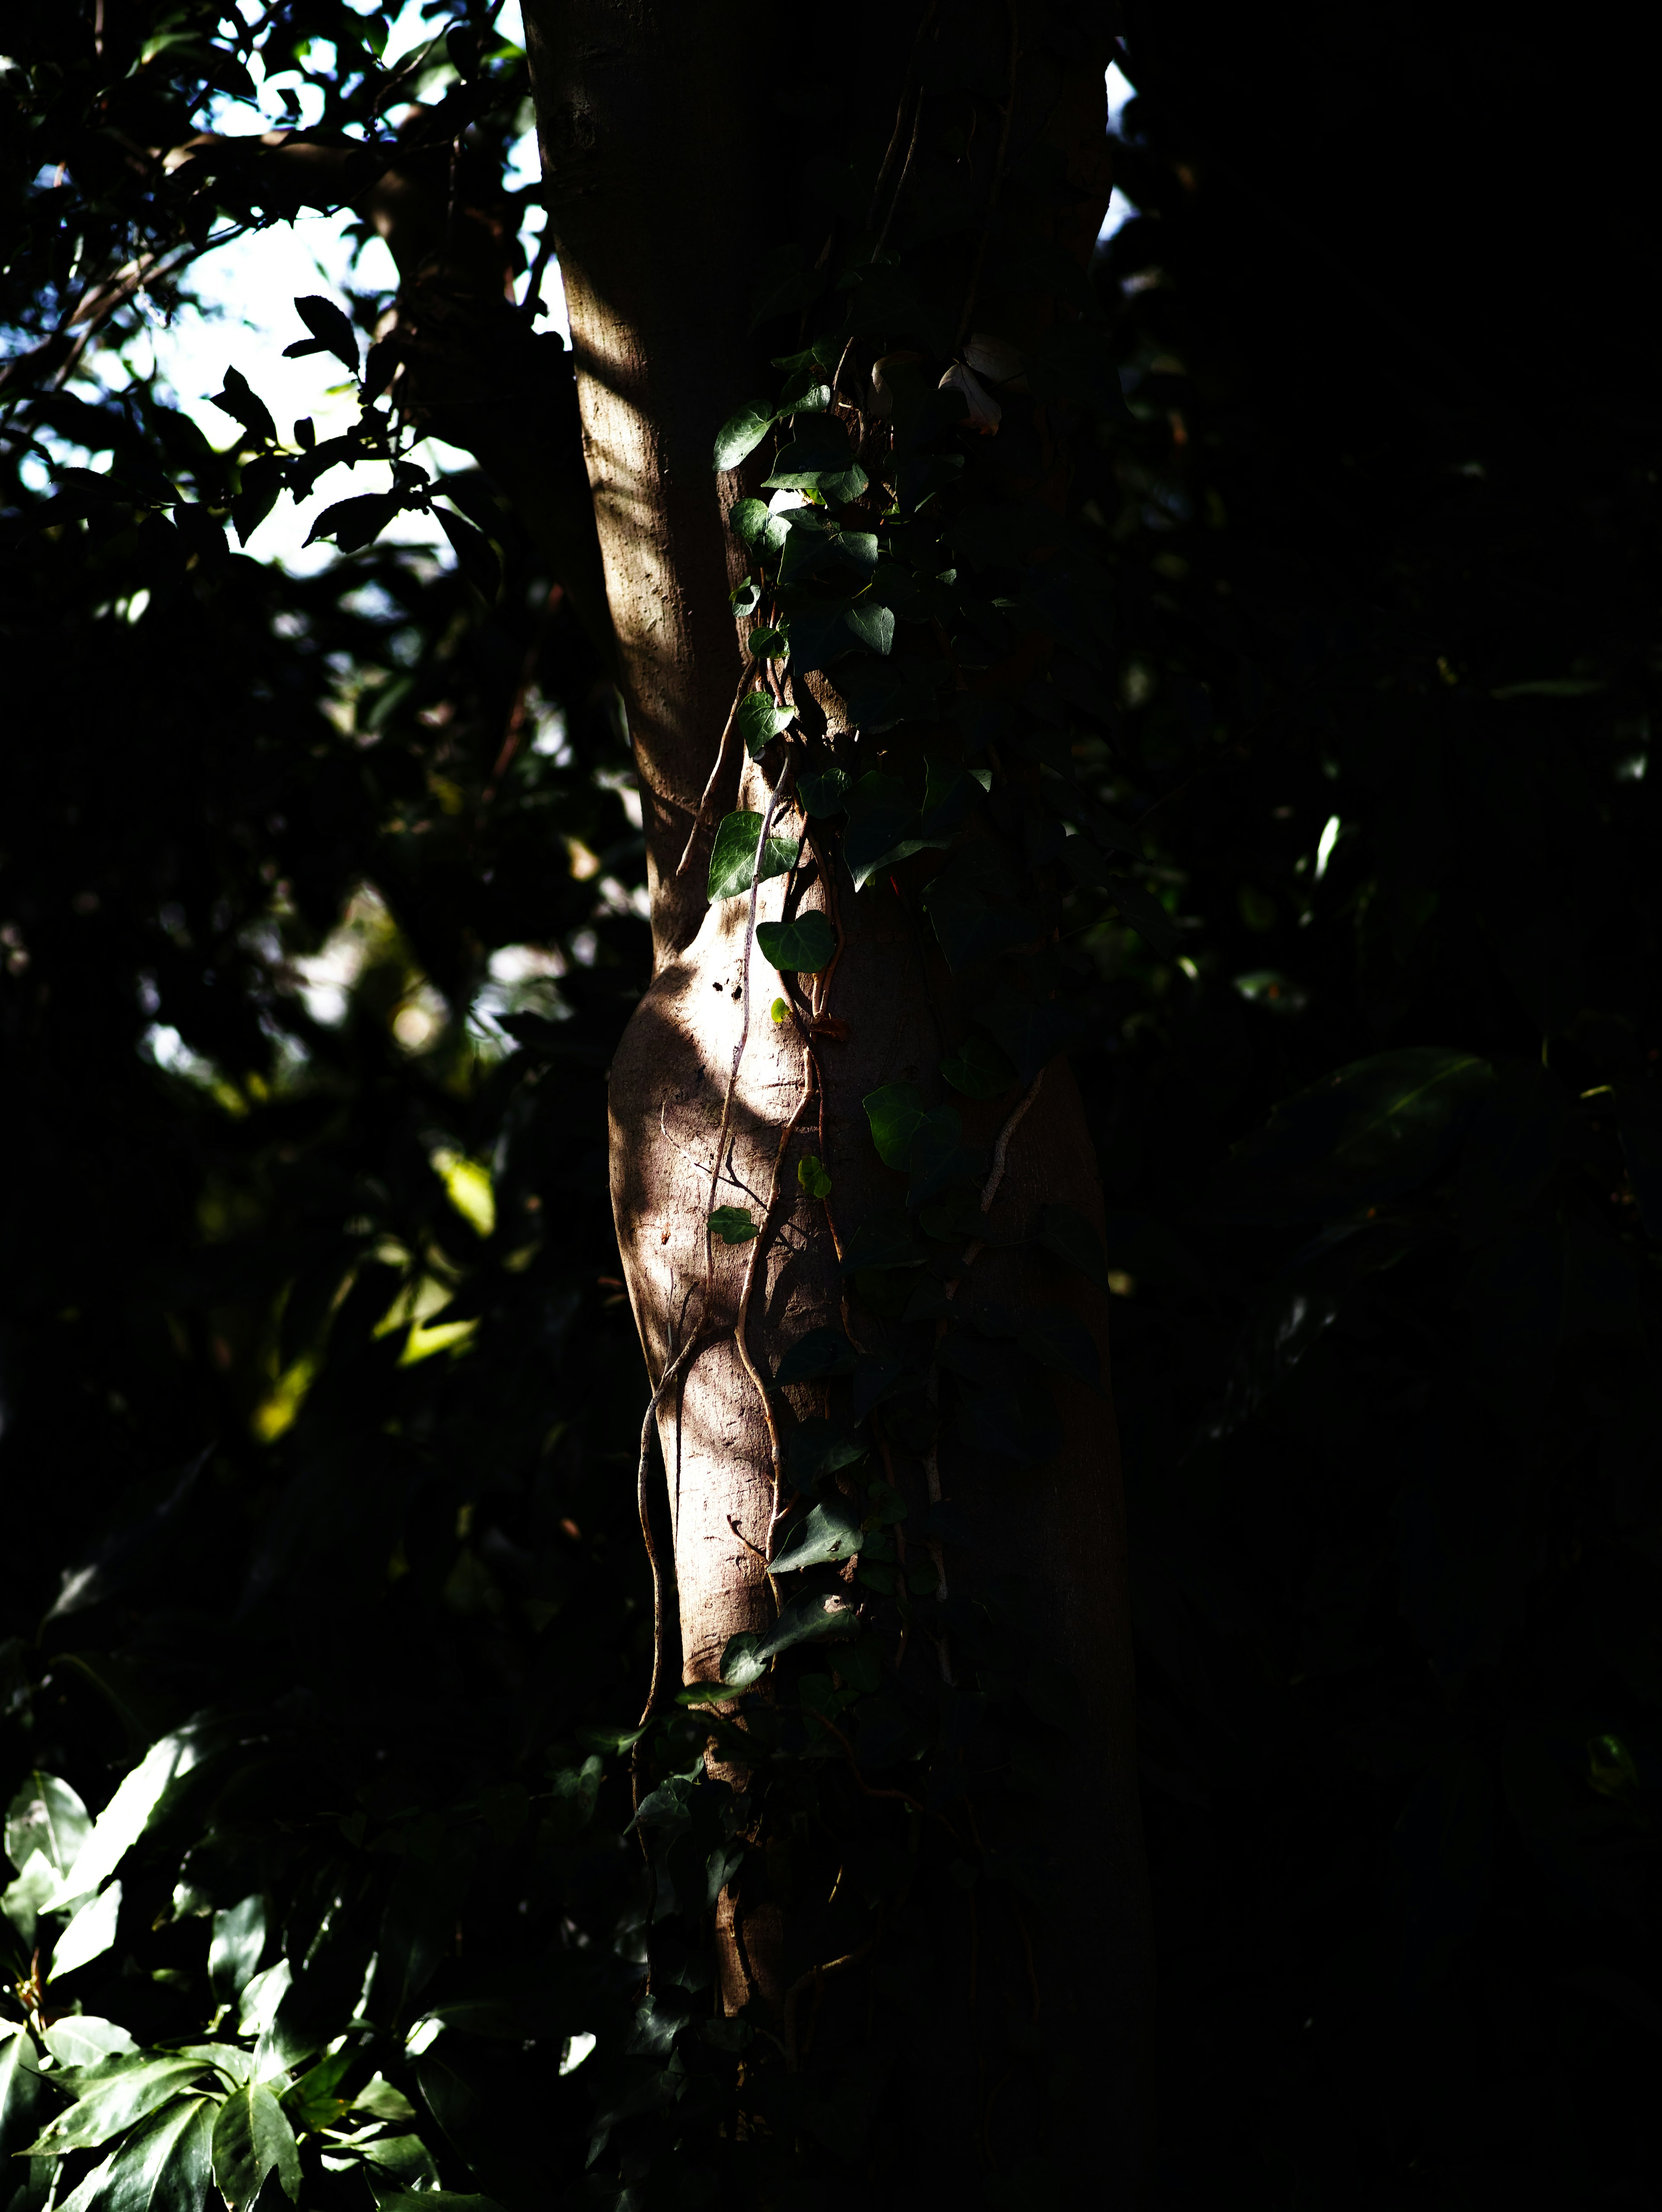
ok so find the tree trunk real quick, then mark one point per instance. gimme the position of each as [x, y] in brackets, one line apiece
[646, 114]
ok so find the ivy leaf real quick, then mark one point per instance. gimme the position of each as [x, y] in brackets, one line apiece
[819, 1448]
[830, 1531]
[821, 1351]
[740, 435]
[804, 947]
[818, 635]
[979, 1068]
[873, 626]
[968, 924]
[882, 1240]
[733, 1224]
[811, 1174]
[881, 693]
[760, 722]
[769, 644]
[244, 405]
[332, 332]
[732, 856]
[753, 523]
[825, 792]
[252, 2137]
[355, 523]
[818, 459]
[875, 1380]
[1059, 1339]
[896, 1112]
[883, 826]
[1031, 1031]
[745, 1659]
[1072, 1238]
[476, 557]
[939, 1156]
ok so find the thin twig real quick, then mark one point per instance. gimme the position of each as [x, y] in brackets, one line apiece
[701, 813]
[774, 797]
[775, 1442]
[670, 1374]
[815, 1976]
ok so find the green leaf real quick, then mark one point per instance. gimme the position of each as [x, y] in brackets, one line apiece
[1145, 914]
[1070, 1237]
[818, 451]
[434, 2200]
[163, 2167]
[22, 2087]
[90, 1933]
[812, 1175]
[82, 2040]
[110, 2097]
[252, 2138]
[822, 1352]
[819, 1448]
[804, 947]
[733, 1224]
[234, 1952]
[746, 1656]
[825, 792]
[312, 2101]
[882, 1240]
[830, 1531]
[1031, 1031]
[332, 332]
[259, 485]
[354, 523]
[46, 1816]
[769, 644]
[873, 626]
[732, 856]
[760, 722]
[896, 1114]
[884, 828]
[245, 406]
[979, 1068]
[753, 523]
[476, 557]
[739, 436]
[1365, 1133]
[968, 924]
[127, 1816]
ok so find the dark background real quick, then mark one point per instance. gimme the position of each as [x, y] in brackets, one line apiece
[1384, 537]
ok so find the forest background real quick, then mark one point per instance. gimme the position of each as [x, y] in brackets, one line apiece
[320, 1397]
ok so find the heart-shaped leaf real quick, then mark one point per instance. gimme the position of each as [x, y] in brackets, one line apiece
[804, 947]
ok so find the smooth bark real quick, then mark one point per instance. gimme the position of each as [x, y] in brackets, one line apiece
[642, 111]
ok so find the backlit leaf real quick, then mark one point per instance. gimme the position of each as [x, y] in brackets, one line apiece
[732, 855]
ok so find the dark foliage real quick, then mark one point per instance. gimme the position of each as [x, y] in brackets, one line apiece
[320, 1404]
